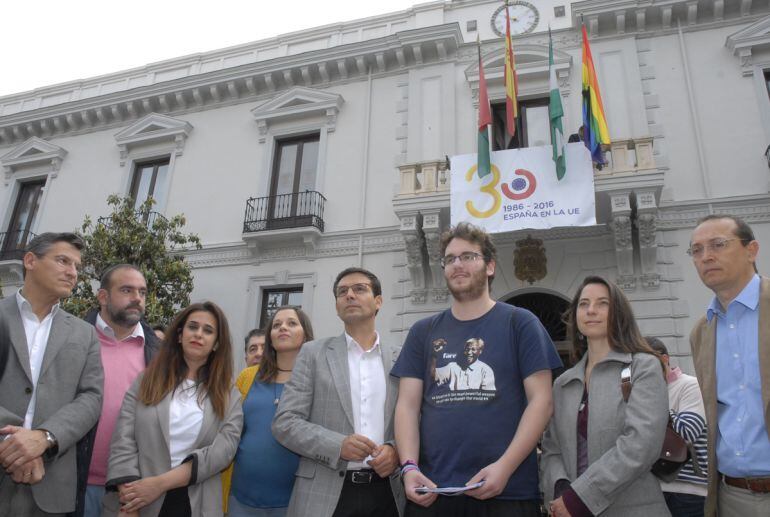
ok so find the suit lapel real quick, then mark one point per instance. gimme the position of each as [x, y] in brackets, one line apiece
[16, 331]
[707, 356]
[764, 347]
[391, 391]
[163, 412]
[57, 338]
[337, 358]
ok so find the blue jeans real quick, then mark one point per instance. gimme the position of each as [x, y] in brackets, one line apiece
[236, 508]
[684, 505]
[93, 503]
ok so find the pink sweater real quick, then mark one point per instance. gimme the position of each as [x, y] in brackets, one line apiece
[122, 362]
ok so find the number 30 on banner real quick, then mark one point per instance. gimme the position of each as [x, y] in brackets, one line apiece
[489, 189]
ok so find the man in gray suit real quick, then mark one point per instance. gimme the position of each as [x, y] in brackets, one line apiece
[336, 412]
[51, 386]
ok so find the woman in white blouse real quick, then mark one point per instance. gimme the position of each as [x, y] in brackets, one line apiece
[179, 425]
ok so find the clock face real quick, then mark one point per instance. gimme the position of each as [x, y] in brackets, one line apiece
[523, 15]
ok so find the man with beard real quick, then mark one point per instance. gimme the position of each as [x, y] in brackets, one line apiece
[128, 344]
[478, 433]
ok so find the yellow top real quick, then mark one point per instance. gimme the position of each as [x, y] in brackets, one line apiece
[243, 383]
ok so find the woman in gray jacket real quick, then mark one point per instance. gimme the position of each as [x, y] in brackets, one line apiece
[598, 449]
[179, 424]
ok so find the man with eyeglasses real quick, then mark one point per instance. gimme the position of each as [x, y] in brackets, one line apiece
[336, 412]
[461, 421]
[731, 352]
[51, 387]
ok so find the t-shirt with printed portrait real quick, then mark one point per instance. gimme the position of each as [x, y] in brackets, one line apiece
[473, 392]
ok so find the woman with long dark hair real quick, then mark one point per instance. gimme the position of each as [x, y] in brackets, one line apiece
[179, 424]
[598, 448]
[263, 470]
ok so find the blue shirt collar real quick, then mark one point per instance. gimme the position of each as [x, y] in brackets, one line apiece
[749, 298]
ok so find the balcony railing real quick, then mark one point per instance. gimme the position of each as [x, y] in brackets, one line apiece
[284, 211]
[147, 217]
[13, 244]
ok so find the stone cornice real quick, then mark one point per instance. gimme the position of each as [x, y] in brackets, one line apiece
[622, 17]
[244, 83]
[685, 214]
[330, 244]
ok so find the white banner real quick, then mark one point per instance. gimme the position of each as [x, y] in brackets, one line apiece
[523, 192]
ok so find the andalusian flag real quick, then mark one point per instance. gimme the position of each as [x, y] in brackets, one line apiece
[595, 132]
[485, 119]
[511, 83]
[555, 113]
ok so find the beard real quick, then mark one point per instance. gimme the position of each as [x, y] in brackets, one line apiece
[474, 290]
[123, 317]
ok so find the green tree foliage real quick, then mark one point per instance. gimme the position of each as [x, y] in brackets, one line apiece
[146, 239]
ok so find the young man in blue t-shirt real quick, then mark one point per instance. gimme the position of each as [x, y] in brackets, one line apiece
[474, 393]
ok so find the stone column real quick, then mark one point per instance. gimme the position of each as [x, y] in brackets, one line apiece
[414, 240]
[646, 223]
[624, 244]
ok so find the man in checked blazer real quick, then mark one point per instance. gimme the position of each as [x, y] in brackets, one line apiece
[336, 412]
[51, 383]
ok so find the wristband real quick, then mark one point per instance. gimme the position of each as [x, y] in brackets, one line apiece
[408, 466]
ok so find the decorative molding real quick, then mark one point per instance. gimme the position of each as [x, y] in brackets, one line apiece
[646, 223]
[535, 66]
[34, 152]
[607, 18]
[677, 215]
[246, 82]
[153, 129]
[624, 244]
[529, 260]
[748, 41]
[414, 240]
[298, 102]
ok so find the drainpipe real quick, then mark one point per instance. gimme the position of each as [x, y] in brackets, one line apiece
[365, 167]
[694, 114]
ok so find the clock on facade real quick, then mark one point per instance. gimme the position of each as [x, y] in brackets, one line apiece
[524, 17]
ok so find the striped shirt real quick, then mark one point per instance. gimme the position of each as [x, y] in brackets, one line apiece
[689, 420]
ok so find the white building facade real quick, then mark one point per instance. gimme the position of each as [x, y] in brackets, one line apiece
[295, 157]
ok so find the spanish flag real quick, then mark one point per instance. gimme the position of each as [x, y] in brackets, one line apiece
[595, 132]
[485, 119]
[511, 83]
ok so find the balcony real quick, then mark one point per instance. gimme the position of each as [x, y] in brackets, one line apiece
[12, 246]
[284, 218]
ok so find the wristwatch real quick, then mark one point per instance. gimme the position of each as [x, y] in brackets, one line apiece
[53, 445]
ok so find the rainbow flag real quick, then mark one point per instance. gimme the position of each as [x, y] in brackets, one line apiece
[511, 82]
[485, 119]
[595, 132]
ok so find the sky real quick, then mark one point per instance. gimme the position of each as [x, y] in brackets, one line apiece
[48, 42]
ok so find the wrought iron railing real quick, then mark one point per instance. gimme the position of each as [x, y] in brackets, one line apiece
[13, 244]
[283, 211]
[147, 217]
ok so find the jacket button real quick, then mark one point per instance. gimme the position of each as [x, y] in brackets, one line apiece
[342, 473]
[28, 390]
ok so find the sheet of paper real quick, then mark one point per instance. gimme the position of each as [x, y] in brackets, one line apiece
[449, 490]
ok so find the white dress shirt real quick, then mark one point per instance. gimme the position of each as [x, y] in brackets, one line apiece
[184, 421]
[37, 333]
[367, 392]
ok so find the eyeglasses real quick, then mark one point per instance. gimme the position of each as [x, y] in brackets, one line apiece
[358, 289]
[715, 246]
[468, 256]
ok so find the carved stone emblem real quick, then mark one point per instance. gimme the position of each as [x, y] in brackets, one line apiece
[529, 260]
